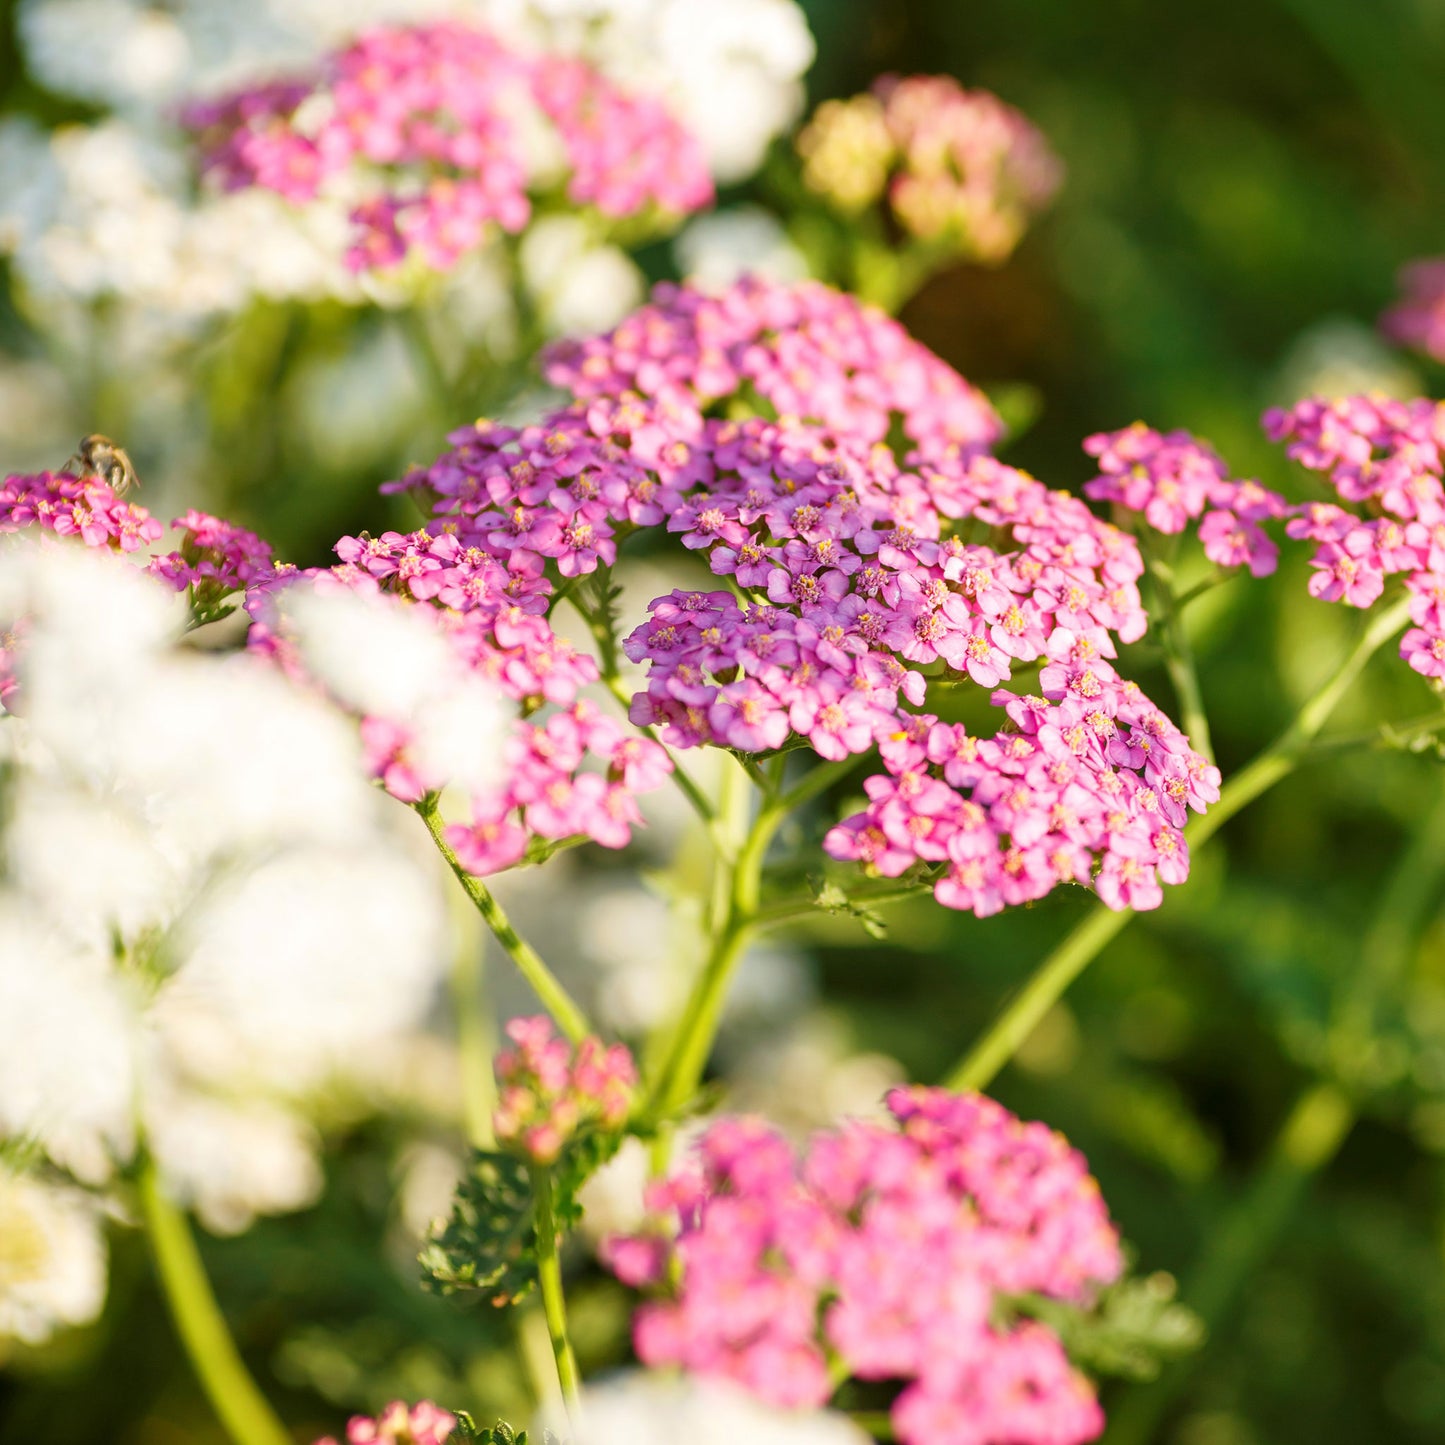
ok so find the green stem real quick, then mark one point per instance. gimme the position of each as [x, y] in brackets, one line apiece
[1022, 1012]
[682, 1071]
[235, 1397]
[475, 1043]
[1183, 672]
[554, 1305]
[555, 999]
[1312, 1134]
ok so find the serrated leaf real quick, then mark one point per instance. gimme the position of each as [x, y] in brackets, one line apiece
[468, 1431]
[489, 1242]
[1134, 1330]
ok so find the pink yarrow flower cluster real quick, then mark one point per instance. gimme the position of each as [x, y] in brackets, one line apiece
[69, 506]
[569, 770]
[969, 165]
[1092, 786]
[1417, 319]
[215, 557]
[896, 1251]
[852, 582]
[423, 1424]
[1385, 459]
[549, 1090]
[806, 351]
[1174, 479]
[434, 126]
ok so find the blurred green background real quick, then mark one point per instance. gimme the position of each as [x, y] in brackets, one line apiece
[1243, 180]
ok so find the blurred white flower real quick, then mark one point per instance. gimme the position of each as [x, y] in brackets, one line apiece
[809, 1077]
[52, 1259]
[732, 73]
[391, 661]
[715, 250]
[209, 915]
[638, 1408]
[578, 286]
[231, 1160]
[69, 1037]
[1339, 357]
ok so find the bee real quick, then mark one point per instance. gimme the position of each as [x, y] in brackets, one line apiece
[100, 458]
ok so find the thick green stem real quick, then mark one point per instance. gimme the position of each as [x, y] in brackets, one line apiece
[1179, 660]
[682, 1070]
[475, 1044]
[554, 1305]
[1016, 1021]
[235, 1397]
[555, 999]
[1312, 1134]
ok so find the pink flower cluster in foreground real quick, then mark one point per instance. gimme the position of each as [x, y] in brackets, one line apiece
[956, 165]
[548, 1089]
[1417, 319]
[1384, 458]
[434, 126]
[569, 770]
[423, 1424]
[1172, 479]
[895, 1251]
[854, 573]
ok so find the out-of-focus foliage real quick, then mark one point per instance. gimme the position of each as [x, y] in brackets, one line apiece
[1243, 180]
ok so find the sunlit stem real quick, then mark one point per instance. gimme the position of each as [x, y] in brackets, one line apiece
[475, 1043]
[1183, 673]
[1021, 1014]
[235, 1397]
[1311, 1135]
[682, 1070]
[554, 1306]
[545, 984]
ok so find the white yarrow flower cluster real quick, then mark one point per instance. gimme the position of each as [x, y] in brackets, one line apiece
[206, 914]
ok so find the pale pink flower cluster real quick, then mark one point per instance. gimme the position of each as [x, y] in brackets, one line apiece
[548, 1090]
[1417, 319]
[423, 1424]
[956, 166]
[968, 164]
[1173, 479]
[895, 1252]
[807, 352]
[1385, 458]
[571, 772]
[850, 571]
[432, 125]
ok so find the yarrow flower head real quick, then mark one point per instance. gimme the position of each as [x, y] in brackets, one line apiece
[850, 575]
[1385, 459]
[549, 1090]
[442, 133]
[900, 1252]
[566, 770]
[423, 1424]
[1174, 479]
[956, 166]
